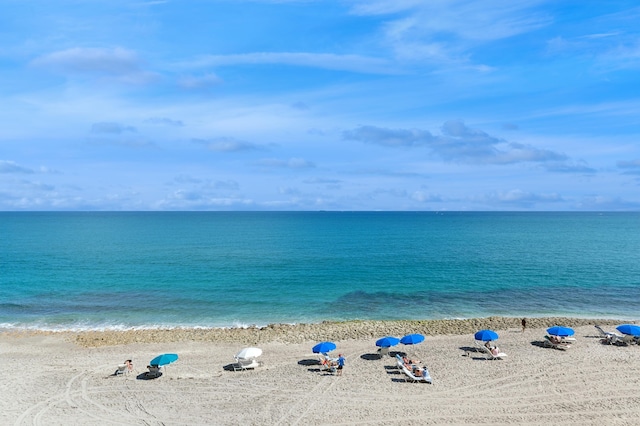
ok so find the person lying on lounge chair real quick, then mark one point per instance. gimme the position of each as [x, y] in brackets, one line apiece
[555, 339]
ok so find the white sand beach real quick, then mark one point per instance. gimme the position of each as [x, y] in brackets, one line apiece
[59, 379]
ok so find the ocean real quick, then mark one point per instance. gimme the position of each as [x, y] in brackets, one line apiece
[123, 270]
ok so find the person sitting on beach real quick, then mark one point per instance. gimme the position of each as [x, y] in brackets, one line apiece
[555, 339]
[495, 350]
[129, 365]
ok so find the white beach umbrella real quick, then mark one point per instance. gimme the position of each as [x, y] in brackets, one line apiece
[249, 353]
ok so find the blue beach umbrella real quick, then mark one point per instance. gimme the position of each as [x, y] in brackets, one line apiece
[323, 347]
[163, 359]
[631, 329]
[387, 342]
[412, 339]
[486, 335]
[557, 330]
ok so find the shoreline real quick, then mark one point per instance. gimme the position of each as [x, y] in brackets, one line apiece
[297, 333]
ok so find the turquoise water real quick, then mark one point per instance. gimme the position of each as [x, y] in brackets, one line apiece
[91, 270]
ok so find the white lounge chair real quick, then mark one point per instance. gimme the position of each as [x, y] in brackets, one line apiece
[121, 370]
[613, 338]
[411, 377]
[487, 352]
[550, 343]
[625, 340]
[491, 355]
[328, 363]
[605, 334]
[246, 364]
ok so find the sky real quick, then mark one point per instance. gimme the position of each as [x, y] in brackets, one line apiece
[207, 105]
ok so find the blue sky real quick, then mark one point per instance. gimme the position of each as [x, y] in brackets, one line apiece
[319, 105]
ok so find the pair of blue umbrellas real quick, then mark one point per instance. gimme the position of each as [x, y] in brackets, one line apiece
[409, 339]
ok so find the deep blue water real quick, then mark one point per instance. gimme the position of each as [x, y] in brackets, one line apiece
[145, 269]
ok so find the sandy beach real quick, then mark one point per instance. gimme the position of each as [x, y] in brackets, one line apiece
[67, 378]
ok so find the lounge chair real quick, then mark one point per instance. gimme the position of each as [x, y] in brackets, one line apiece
[490, 355]
[613, 338]
[411, 377]
[121, 370]
[154, 371]
[550, 343]
[624, 340]
[246, 364]
[605, 334]
[487, 352]
[328, 363]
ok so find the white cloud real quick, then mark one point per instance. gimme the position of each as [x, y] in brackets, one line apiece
[120, 63]
[227, 144]
[111, 128]
[458, 143]
[445, 31]
[520, 198]
[352, 63]
[12, 167]
[164, 121]
[292, 163]
[200, 82]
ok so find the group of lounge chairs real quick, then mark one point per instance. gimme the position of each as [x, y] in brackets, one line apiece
[127, 368]
[612, 338]
[608, 337]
